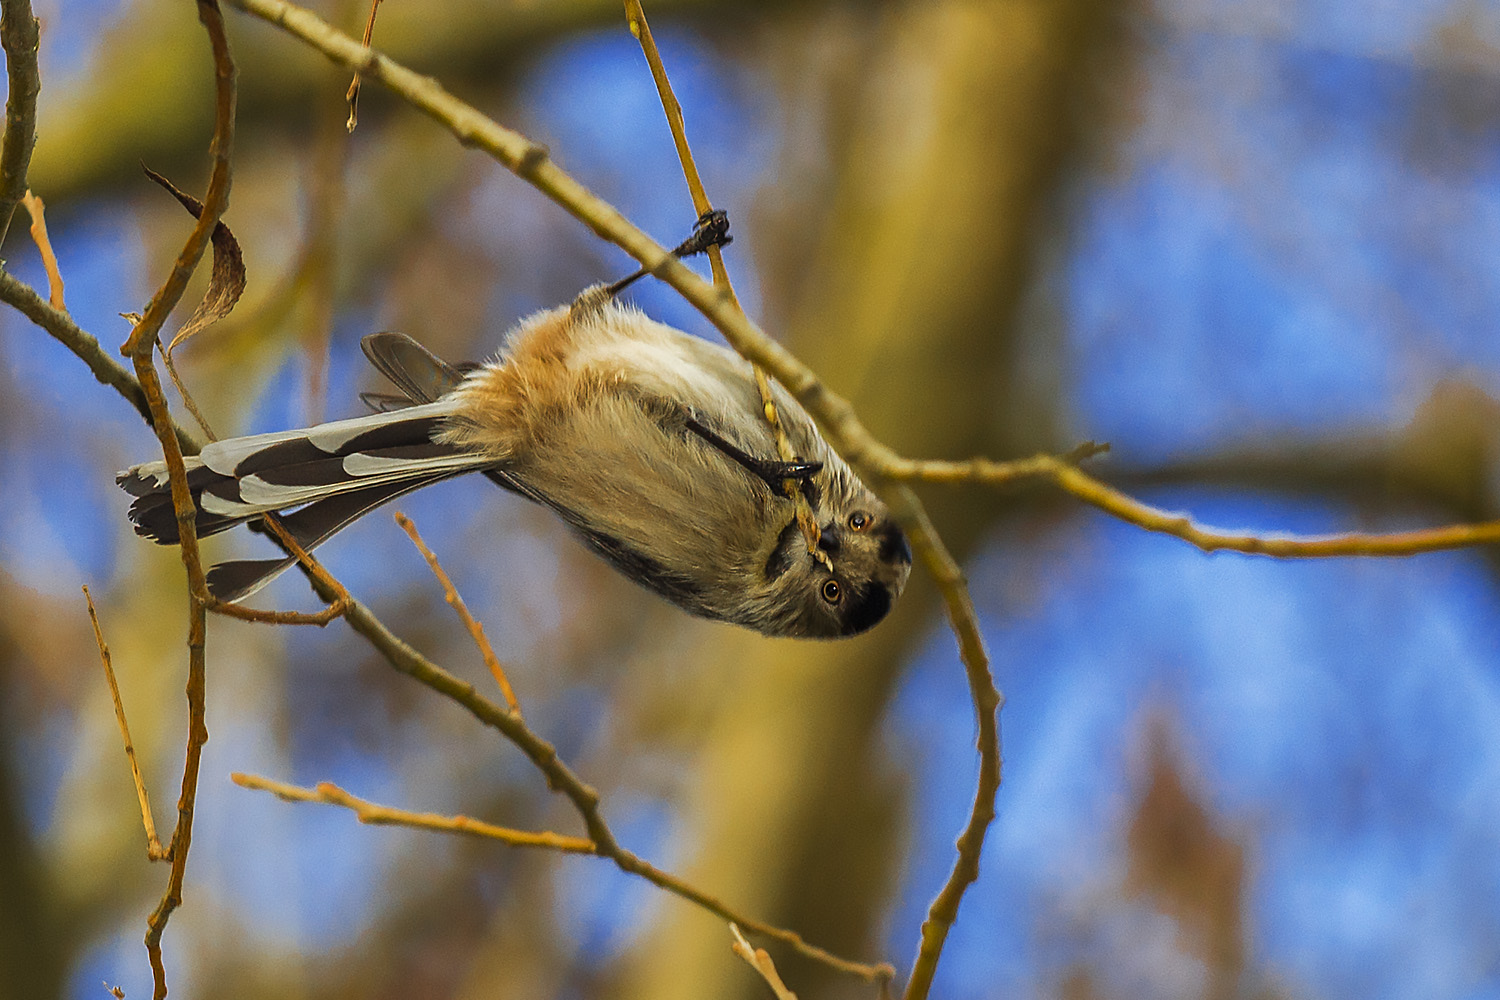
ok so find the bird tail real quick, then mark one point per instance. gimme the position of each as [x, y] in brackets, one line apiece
[332, 474]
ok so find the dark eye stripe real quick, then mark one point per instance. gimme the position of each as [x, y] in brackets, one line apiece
[780, 559]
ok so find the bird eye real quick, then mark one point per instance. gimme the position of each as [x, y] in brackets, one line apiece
[859, 521]
[831, 592]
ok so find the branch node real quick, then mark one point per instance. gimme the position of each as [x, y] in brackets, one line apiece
[531, 159]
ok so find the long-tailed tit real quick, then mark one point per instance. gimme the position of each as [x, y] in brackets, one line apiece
[648, 442]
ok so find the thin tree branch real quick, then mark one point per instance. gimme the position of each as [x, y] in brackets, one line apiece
[352, 96]
[635, 16]
[476, 630]
[1068, 477]
[19, 35]
[154, 850]
[182, 832]
[264, 617]
[38, 212]
[987, 701]
[139, 347]
[378, 815]
[182, 391]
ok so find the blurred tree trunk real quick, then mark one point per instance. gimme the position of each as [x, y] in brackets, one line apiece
[33, 942]
[911, 309]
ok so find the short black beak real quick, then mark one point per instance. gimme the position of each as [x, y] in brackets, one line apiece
[831, 539]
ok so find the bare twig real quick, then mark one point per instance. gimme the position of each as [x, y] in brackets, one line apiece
[635, 15]
[154, 850]
[987, 700]
[182, 832]
[37, 211]
[261, 616]
[19, 35]
[1062, 472]
[1126, 508]
[378, 815]
[338, 599]
[476, 630]
[353, 95]
[182, 391]
[760, 962]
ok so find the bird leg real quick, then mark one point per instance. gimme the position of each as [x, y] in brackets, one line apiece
[773, 474]
[711, 230]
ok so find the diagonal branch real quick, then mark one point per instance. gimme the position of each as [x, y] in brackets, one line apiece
[987, 701]
[56, 296]
[378, 815]
[154, 850]
[475, 629]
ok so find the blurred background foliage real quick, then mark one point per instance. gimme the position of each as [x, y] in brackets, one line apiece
[1251, 245]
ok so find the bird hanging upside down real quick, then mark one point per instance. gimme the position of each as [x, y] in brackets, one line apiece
[648, 442]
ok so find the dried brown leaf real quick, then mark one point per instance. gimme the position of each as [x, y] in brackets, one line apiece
[227, 281]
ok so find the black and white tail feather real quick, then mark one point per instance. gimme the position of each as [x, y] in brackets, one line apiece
[333, 473]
